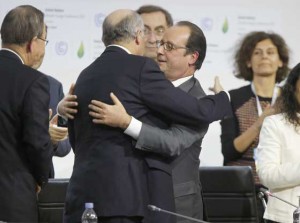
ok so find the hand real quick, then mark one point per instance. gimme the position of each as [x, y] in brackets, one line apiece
[67, 104]
[217, 88]
[38, 189]
[50, 113]
[57, 133]
[111, 115]
[269, 110]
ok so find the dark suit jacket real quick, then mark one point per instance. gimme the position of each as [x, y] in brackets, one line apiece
[107, 171]
[56, 94]
[184, 145]
[25, 146]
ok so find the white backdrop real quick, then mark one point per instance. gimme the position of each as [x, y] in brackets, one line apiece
[74, 32]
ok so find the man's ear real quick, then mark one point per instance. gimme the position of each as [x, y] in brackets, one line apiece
[29, 45]
[139, 37]
[193, 58]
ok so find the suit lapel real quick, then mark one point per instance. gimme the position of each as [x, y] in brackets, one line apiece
[193, 87]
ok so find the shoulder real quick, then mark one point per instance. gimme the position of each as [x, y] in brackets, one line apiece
[31, 75]
[274, 119]
[274, 123]
[53, 81]
[245, 89]
[240, 95]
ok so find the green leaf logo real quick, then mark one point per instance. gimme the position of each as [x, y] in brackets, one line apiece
[225, 26]
[80, 51]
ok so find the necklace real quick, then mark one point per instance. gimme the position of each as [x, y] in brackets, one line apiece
[274, 97]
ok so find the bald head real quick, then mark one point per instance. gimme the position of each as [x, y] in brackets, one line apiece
[121, 26]
[117, 16]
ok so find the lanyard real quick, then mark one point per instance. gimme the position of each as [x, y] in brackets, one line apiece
[274, 97]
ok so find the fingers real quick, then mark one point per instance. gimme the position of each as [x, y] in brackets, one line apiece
[95, 109]
[217, 80]
[71, 100]
[115, 99]
[67, 106]
[58, 133]
[50, 113]
[54, 120]
[38, 189]
[97, 104]
[98, 118]
[71, 89]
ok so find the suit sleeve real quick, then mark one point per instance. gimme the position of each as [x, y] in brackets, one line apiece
[168, 142]
[160, 95]
[229, 131]
[63, 147]
[36, 138]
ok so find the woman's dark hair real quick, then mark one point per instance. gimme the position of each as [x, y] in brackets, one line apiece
[287, 102]
[246, 48]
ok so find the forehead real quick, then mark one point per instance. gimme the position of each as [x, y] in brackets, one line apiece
[154, 20]
[177, 34]
[267, 43]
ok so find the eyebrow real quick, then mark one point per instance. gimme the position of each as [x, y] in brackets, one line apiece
[155, 28]
[271, 47]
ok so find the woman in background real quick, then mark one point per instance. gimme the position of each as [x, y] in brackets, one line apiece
[279, 152]
[262, 59]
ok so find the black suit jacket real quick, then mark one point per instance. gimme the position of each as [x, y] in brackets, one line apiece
[25, 146]
[107, 171]
[56, 94]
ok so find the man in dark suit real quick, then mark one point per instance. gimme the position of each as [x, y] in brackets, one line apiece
[25, 146]
[182, 143]
[58, 134]
[107, 171]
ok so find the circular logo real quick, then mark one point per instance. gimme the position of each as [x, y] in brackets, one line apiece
[61, 48]
[207, 23]
[99, 18]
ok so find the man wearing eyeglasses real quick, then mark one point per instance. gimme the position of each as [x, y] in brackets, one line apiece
[108, 171]
[156, 21]
[25, 146]
[180, 53]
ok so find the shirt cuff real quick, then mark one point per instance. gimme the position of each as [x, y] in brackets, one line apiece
[134, 128]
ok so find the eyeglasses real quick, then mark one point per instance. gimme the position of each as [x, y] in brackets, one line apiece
[158, 32]
[168, 46]
[46, 41]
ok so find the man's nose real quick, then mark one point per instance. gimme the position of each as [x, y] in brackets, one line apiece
[160, 49]
[153, 38]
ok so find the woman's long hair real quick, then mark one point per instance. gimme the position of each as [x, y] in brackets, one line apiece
[287, 102]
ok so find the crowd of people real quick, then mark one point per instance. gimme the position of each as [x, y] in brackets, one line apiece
[136, 129]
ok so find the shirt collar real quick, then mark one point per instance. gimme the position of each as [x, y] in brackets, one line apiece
[14, 53]
[180, 81]
[122, 47]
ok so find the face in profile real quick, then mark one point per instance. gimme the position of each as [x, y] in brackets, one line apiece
[38, 49]
[155, 26]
